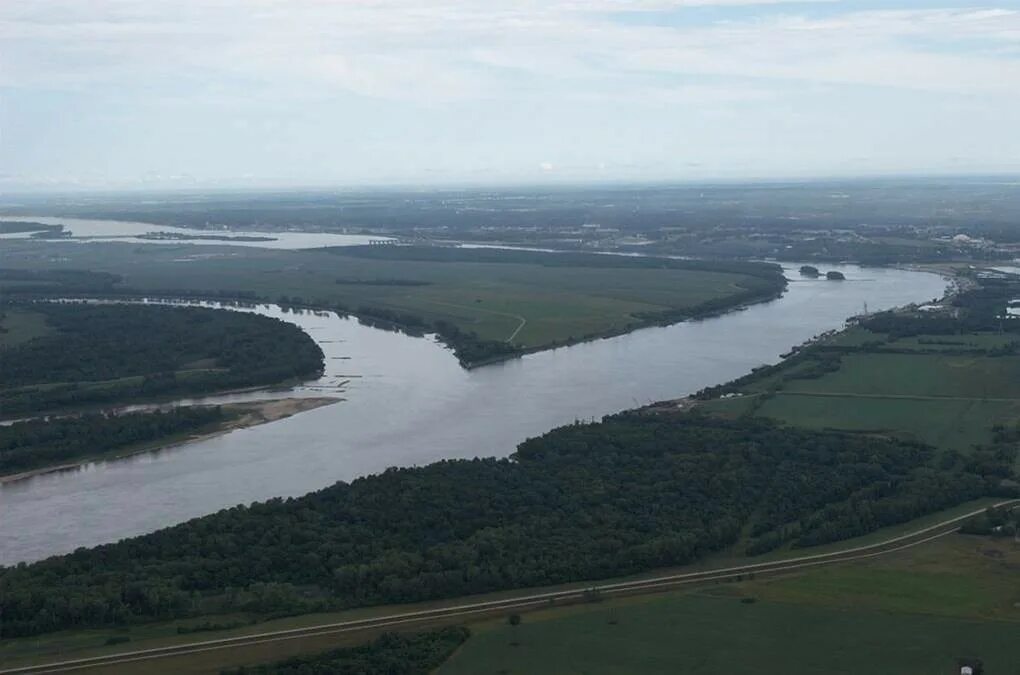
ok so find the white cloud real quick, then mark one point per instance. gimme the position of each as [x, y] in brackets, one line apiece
[624, 82]
[462, 49]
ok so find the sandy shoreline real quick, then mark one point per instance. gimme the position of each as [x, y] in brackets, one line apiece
[248, 414]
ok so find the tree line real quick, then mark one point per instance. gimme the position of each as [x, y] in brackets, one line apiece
[37, 443]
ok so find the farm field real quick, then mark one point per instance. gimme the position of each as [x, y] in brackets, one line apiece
[914, 613]
[918, 375]
[947, 391]
[531, 301]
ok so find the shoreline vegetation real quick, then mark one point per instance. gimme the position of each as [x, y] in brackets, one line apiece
[233, 416]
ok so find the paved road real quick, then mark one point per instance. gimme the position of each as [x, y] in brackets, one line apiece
[517, 602]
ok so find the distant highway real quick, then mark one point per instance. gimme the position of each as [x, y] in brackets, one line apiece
[517, 602]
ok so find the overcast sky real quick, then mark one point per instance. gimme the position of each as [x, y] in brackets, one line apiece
[121, 93]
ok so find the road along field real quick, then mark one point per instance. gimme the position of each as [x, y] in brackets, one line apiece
[237, 650]
[912, 612]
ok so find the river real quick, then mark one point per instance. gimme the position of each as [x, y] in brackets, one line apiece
[408, 402]
[90, 230]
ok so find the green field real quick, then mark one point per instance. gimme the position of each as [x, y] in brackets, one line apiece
[948, 391]
[919, 375]
[950, 423]
[534, 301]
[913, 613]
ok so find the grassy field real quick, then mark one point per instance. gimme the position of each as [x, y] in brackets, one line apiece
[948, 391]
[914, 613]
[919, 375]
[18, 326]
[534, 304]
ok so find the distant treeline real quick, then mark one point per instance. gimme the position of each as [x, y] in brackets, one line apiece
[973, 204]
[15, 227]
[46, 442]
[382, 282]
[1003, 521]
[451, 254]
[583, 502]
[118, 352]
[390, 654]
[976, 310]
[16, 283]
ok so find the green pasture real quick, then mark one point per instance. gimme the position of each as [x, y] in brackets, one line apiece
[921, 375]
[932, 393]
[950, 423]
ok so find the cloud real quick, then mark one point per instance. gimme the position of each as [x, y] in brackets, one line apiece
[456, 87]
[463, 49]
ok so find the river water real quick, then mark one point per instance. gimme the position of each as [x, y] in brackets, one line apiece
[408, 402]
[90, 230]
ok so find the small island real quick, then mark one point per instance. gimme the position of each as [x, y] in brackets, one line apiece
[180, 236]
[835, 276]
[809, 271]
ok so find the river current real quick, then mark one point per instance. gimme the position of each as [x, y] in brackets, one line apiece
[408, 402]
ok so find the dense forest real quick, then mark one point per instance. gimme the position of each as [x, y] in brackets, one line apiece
[108, 353]
[390, 654]
[635, 492]
[44, 442]
[1002, 521]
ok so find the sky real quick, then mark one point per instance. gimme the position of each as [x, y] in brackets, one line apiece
[99, 94]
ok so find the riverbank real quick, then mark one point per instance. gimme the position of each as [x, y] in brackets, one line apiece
[237, 416]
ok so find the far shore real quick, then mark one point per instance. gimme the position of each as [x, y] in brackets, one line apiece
[241, 416]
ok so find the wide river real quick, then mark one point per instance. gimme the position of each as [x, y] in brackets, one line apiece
[89, 230]
[408, 402]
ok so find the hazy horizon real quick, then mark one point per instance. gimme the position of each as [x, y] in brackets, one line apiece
[122, 95]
